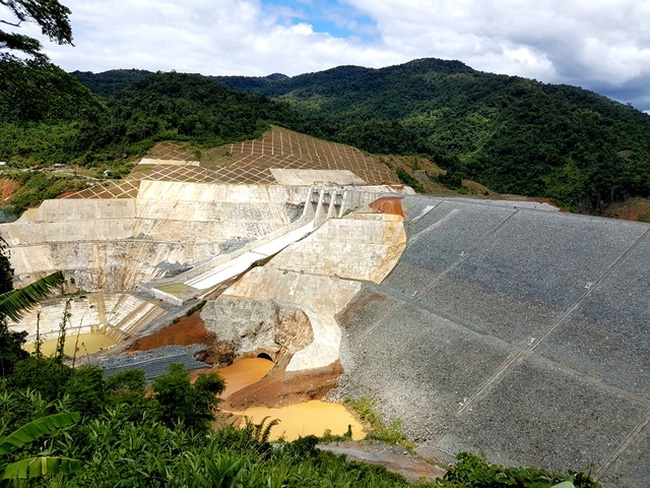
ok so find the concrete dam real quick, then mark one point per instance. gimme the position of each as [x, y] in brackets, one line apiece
[500, 327]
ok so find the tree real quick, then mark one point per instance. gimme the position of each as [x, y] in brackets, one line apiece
[39, 465]
[50, 15]
[182, 401]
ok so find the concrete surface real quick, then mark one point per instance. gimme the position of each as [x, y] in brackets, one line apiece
[499, 327]
[117, 315]
[519, 333]
[320, 274]
[115, 244]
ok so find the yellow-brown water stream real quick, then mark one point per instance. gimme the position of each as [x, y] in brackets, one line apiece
[243, 373]
[313, 417]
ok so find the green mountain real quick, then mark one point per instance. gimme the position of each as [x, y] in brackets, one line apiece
[511, 134]
[48, 116]
[111, 82]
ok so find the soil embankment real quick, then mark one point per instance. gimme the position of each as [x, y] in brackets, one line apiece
[393, 458]
[278, 388]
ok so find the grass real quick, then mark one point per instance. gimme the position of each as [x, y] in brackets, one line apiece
[392, 433]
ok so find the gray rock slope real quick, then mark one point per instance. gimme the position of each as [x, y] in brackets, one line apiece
[523, 334]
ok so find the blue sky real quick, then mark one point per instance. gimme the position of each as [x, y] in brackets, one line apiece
[601, 45]
[337, 19]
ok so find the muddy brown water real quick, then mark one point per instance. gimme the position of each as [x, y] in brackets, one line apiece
[301, 419]
[89, 343]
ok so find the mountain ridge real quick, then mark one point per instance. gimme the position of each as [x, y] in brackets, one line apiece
[511, 134]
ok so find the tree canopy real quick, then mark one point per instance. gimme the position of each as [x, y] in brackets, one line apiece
[512, 134]
[50, 15]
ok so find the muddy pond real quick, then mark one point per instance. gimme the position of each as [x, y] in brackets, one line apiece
[313, 417]
[84, 344]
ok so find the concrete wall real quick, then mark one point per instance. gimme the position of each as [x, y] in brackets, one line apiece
[321, 274]
[115, 244]
[107, 312]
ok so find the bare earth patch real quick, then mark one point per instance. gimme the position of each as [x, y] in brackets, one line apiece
[7, 188]
[630, 209]
[282, 388]
[188, 330]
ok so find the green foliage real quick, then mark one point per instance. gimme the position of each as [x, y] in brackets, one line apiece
[51, 17]
[39, 186]
[511, 134]
[41, 465]
[180, 401]
[262, 431]
[48, 376]
[11, 351]
[13, 303]
[86, 391]
[392, 433]
[120, 448]
[124, 383]
[450, 179]
[110, 83]
[181, 107]
[475, 472]
[34, 430]
[49, 117]
[6, 271]
[195, 308]
[409, 180]
[40, 92]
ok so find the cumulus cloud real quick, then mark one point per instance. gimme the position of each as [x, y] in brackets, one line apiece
[603, 45]
[224, 37]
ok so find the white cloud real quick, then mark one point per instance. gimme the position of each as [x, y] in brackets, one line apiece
[602, 44]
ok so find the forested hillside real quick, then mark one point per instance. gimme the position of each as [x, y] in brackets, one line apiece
[512, 134]
[47, 117]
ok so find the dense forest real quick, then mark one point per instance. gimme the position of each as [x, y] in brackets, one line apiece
[511, 134]
[48, 117]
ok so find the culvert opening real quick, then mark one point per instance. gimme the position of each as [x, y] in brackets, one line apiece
[263, 355]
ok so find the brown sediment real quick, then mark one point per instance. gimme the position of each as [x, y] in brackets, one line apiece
[277, 389]
[630, 209]
[188, 330]
[282, 388]
[389, 205]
